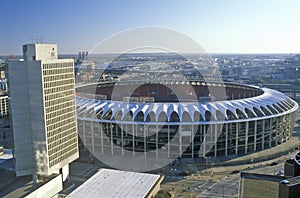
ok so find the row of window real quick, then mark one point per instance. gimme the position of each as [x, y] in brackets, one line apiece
[59, 112]
[61, 132]
[4, 107]
[58, 98]
[55, 106]
[63, 93]
[57, 65]
[60, 118]
[58, 77]
[59, 124]
[63, 148]
[62, 102]
[59, 88]
[62, 155]
[52, 131]
[60, 82]
[52, 72]
[58, 140]
[62, 96]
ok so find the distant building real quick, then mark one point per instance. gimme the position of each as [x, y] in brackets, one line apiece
[3, 84]
[4, 109]
[43, 112]
[114, 183]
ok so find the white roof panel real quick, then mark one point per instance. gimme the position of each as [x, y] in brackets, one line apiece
[109, 183]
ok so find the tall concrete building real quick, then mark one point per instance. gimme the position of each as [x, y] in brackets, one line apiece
[43, 112]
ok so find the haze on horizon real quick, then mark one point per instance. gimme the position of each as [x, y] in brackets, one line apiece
[249, 26]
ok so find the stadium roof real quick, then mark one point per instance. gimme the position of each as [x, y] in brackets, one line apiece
[268, 104]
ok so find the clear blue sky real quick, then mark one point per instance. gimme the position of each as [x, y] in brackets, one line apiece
[229, 26]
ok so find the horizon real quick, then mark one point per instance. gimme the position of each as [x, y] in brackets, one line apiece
[191, 53]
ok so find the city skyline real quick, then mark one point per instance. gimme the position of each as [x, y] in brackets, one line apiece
[222, 27]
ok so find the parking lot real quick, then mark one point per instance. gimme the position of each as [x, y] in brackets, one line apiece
[223, 187]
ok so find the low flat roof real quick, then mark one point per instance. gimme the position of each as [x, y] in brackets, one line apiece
[275, 178]
[293, 181]
[7, 154]
[114, 183]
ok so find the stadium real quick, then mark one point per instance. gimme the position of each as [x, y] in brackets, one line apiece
[181, 118]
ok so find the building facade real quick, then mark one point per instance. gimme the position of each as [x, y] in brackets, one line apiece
[153, 124]
[4, 110]
[43, 112]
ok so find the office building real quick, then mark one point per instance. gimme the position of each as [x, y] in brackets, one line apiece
[3, 105]
[43, 112]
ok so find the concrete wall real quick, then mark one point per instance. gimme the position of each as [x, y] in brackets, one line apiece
[49, 189]
[20, 119]
[33, 52]
[27, 117]
[37, 117]
[155, 188]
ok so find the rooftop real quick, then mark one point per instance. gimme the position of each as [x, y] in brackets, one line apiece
[107, 182]
[293, 181]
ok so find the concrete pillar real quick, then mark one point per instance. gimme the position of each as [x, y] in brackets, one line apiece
[246, 139]
[226, 140]
[111, 139]
[122, 139]
[65, 172]
[255, 134]
[93, 141]
[156, 141]
[133, 140]
[290, 125]
[84, 132]
[180, 140]
[216, 138]
[204, 141]
[192, 139]
[101, 137]
[145, 143]
[276, 131]
[270, 133]
[169, 141]
[236, 137]
[34, 179]
[263, 134]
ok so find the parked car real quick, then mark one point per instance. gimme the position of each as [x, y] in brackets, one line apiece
[279, 173]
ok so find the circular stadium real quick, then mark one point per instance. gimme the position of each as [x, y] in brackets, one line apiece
[181, 118]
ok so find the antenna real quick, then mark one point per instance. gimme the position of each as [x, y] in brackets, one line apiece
[36, 39]
[32, 39]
